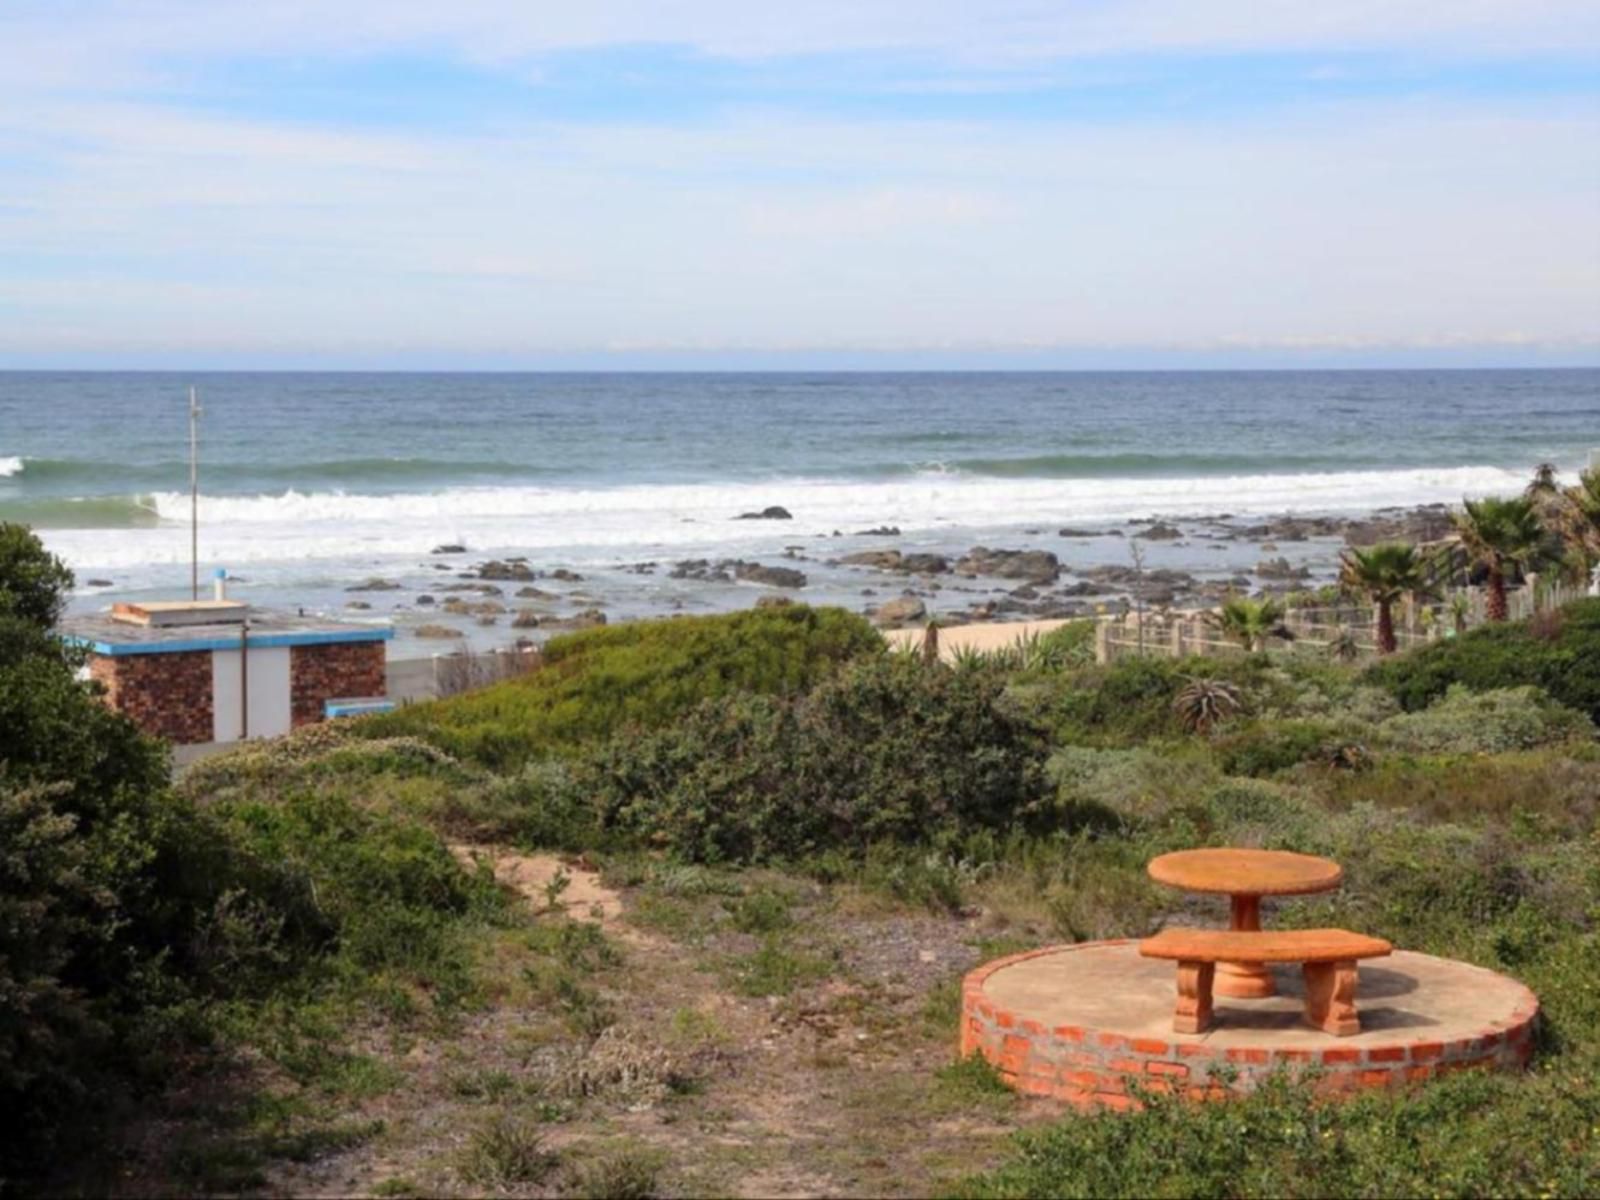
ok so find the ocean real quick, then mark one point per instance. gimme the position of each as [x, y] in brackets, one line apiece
[312, 482]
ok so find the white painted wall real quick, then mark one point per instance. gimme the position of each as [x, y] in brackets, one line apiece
[269, 693]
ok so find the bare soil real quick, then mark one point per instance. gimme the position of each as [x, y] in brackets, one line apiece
[694, 1083]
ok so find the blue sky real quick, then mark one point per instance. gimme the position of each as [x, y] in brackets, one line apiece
[1093, 183]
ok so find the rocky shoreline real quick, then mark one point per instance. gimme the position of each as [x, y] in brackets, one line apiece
[1044, 574]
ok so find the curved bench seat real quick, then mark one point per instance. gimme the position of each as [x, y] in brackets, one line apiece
[1327, 957]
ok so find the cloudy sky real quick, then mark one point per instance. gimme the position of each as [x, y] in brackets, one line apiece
[464, 183]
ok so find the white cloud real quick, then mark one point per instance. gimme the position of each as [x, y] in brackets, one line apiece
[132, 223]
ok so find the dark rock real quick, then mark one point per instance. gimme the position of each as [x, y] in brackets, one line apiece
[425, 600]
[773, 602]
[773, 512]
[516, 572]
[1068, 531]
[783, 577]
[1084, 588]
[1160, 532]
[97, 583]
[449, 548]
[436, 631]
[587, 619]
[357, 604]
[526, 618]
[893, 560]
[899, 611]
[1036, 566]
[375, 585]
[880, 531]
[533, 593]
[566, 576]
[1280, 568]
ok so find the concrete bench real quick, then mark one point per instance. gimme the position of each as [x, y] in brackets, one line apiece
[1328, 958]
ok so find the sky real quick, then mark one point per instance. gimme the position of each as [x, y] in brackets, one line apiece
[840, 183]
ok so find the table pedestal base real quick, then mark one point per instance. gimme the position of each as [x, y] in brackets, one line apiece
[1245, 980]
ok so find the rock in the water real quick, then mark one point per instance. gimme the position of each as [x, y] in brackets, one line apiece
[1160, 532]
[587, 619]
[700, 570]
[375, 585]
[425, 600]
[566, 576]
[449, 548]
[893, 560]
[436, 631]
[773, 512]
[467, 608]
[97, 583]
[880, 531]
[1036, 566]
[526, 618]
[1280, 568]
[899, 611]
[784, 577]
[883, 560]
[533, 593]
[357, 604]
[1068, 531]
[516, 572]
[773, 601]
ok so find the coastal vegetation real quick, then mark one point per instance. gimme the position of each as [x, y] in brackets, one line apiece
[684, 910]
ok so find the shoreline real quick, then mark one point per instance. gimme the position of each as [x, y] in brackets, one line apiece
[458, 600]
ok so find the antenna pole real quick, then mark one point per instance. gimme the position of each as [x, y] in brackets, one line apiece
[194, 495]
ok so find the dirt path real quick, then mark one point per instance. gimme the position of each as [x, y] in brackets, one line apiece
[743, 1035]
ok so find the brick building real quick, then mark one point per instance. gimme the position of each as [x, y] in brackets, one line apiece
[220, 671]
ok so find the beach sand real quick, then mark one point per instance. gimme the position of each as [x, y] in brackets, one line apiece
[984, 638]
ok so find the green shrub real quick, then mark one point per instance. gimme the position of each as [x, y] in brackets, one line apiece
[643, 673]
[1510, 655]
[1473, 1134]
[1266, 747]
[888, 750]
[1119, 705]
[1466, 722]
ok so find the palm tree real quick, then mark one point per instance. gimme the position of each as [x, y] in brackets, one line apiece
[1251, 622]
[1501, 534]
[1385, 573]
[1583, 507]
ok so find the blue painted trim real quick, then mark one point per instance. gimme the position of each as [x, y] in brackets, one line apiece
[357, 708]
[262, 641]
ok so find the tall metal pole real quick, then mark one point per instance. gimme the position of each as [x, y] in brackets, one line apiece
[194, 495]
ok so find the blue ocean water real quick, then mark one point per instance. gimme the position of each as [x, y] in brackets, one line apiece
[311, 479]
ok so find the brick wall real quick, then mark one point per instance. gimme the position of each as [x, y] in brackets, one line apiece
[1090, 1068]
[332, 671]
[168, 695]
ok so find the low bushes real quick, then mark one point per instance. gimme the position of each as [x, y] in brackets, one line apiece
[889, 750]
[1561, 656]
[1473, 1134]
[644, 674]
[1466, 722]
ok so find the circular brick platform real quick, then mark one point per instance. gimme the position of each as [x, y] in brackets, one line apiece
[1082, 1023]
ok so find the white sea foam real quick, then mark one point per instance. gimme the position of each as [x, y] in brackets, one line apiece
[10, 465]
[646, 520]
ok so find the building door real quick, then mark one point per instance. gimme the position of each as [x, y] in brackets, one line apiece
[268, 672]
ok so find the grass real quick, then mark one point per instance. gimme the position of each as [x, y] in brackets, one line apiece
[506, 1150]
[775, 969]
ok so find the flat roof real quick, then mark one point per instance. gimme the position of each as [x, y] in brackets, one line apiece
[103, 635]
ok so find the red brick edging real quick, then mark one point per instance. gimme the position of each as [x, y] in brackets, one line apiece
[1091, 1068]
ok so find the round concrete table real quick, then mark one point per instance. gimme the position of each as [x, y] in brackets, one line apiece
[1244, 876]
